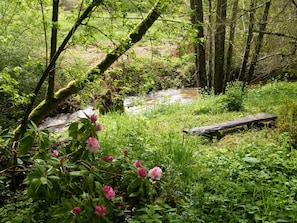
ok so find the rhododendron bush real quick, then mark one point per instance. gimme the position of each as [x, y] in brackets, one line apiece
[86, 185]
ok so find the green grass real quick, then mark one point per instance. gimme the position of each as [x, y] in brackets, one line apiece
[247, 176]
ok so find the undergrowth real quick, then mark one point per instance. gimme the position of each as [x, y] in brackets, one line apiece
[247, 176]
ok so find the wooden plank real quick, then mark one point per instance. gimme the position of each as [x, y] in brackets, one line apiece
[248, 120]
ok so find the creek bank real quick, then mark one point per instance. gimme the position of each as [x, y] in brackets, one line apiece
[132, 105]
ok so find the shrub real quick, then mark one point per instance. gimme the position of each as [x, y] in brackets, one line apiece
[233, 98]
[86, 185]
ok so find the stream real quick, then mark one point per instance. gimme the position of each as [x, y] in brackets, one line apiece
[132, 104]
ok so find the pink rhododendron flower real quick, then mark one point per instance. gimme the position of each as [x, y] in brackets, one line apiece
[100, 210]
[137, 163]
[141, 172]
[76, 210]
[107, 158]
[62, 159]
[99, 127]
[155, 173]
[93, 118]
[125, 152]
[92, 145]
[55, 152]
[108, 192]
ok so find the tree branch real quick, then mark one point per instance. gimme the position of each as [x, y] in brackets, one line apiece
[85, 15]
[40, 112]
[276, 34]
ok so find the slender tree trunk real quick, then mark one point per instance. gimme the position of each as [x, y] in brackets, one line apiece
[258, 43]
[202, 80]
[248, 41]
[231, 41]
[40, 112]
[197, 21]
[210, 46]
[51, 79]
[220, 46]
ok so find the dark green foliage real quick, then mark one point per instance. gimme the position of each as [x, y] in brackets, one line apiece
[144, 75]
[233, 97]
[287, 122]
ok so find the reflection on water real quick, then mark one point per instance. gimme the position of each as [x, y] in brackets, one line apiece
[133, 105]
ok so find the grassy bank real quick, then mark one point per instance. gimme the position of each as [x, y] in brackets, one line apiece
[247, 176]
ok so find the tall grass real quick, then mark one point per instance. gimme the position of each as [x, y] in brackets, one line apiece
[247, 176]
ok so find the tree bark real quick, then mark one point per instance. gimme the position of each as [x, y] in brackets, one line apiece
[202, 80]
[197, 21]
[248, 42]
[231, 41]
[210, 46]
[258, 43]
[51, 79]
[40, 112]
[219, 73]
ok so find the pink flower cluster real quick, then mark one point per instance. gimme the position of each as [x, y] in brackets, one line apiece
[154, 173]
[100, 211]
[92, 145]
[76, 210]
[141, 172]
[55, 152]
[108, 192]
[98, 125]
[107, 158]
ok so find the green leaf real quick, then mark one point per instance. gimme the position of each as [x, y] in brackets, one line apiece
[54, 177]
[250, 159]
[133, 185]
[66, 203]
[79, 173]
[43, 180]
[27, 142]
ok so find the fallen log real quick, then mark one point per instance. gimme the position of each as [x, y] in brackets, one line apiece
[214, 130]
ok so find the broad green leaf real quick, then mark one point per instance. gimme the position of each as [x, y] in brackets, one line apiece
[133, 185]
[43, 180]
[79, 173]
[250, 159]
[66, 203]
[27, 142]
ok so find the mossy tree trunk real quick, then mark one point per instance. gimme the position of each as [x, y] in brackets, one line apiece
[40, 111]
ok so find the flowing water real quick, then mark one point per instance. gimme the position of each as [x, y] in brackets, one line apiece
[133, 105]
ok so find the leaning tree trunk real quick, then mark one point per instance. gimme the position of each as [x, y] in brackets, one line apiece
[219, 72]
[231, 41]
[248, 41]
[40, 112]
[258, 43]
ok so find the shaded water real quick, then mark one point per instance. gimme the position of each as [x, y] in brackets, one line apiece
[133, 104]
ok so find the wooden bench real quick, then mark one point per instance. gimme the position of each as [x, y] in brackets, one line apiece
[215, 130]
